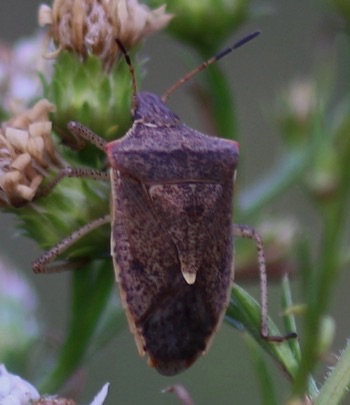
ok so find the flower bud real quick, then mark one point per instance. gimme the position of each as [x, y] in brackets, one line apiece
[205, 24]
[323, 177]
[86, 93]
[89, 27]
[295, 112]
[326, 336]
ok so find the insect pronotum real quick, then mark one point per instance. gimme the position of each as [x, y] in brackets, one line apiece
[172, 232]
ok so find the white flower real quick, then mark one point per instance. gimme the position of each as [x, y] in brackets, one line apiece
[14, 390]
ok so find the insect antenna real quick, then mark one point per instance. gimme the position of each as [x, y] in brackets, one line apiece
[132, 73]
[208, 62]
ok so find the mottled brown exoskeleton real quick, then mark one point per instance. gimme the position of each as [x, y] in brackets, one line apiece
[172, 232]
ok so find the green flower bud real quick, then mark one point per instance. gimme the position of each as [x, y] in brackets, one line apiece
[296, 111]
[72, 204]
[326, 335]
[205, 24]
[323, 179]
[86, 93]
[28, 160]
[86, 86]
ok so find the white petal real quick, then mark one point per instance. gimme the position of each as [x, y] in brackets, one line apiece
[101, 396]
[18, 138]
[45, 15]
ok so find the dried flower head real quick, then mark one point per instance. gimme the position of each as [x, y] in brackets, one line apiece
[26, 153]
[91, 26]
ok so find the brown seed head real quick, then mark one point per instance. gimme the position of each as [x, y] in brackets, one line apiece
[91, 26]
[26, 153]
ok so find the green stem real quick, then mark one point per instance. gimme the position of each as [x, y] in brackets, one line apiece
[222, 104]
[289, 319]
[274, 184]
[322, 279]
[290, 323]
[90, 296]
[265, 380]
[287, 172]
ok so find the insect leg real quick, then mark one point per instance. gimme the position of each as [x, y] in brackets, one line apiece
[77, 172]
[81, 131]
[245, 231]
[85, 133]
[41, 265]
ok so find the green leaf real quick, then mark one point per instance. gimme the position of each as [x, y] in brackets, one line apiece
[244, 309]
[337, 384]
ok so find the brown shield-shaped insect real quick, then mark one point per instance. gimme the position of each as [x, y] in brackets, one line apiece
[172, 232]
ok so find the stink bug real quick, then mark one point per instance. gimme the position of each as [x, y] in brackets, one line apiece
[172, 232]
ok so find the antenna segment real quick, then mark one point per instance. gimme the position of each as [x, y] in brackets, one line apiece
[132, 73]
[205, 64]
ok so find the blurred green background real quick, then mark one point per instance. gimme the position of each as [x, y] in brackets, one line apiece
[285, 51]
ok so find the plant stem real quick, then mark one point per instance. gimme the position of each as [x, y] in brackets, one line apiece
[265, 380]
[222, 105]
[322, 279]
[90, 295]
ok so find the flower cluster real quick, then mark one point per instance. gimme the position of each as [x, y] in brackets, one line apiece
[90, 26]
[15, 390]
[26, 153]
